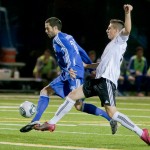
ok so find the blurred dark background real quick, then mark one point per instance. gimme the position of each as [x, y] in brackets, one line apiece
[86, 20]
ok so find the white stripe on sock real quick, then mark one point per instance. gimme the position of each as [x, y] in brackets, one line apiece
[126, 122]
[62, 110]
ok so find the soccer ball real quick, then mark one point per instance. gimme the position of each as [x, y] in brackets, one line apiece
[27, 109]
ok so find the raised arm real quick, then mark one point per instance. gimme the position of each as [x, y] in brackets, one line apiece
[127, 23]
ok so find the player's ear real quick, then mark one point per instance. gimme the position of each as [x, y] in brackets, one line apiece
[117, 30]
[55, 28]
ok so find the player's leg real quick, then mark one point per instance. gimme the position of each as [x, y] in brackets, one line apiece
[81, 105]
[41, 107]
[62, 110]
[126, 122]
[94, 110]
[43, 102]
[55, 85]
[106, 92]
[68, 104]
[108, 100]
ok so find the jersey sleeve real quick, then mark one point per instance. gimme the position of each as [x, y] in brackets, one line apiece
[66, 49]
[121, 38]
[84, 56]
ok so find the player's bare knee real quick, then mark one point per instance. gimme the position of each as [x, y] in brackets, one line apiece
[46, 91]
[78, 105]
[110, 110]
[43, 91]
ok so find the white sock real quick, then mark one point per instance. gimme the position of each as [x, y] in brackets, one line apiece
[62, 110]
[126, 122]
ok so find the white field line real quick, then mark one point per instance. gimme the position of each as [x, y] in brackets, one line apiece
[119, 103]
[135, 109]
[4, 109]
[81, 133]
[91, 101]
[27, 96]
[13, 124]
[51, 146]
[134, 104]
[76, 113]
[101, 124]
[20, 97]
[79, 113]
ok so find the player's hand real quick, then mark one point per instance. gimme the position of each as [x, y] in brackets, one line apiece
[93, 74]
[72, 73]
[84, 65]
[127, 8]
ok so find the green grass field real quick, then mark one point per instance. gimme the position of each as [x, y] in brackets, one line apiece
[76, 131]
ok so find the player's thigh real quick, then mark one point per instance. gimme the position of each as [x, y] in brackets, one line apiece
[88, 88]
[77, 93]
[75, 83]
[106, 91]
[60, 87]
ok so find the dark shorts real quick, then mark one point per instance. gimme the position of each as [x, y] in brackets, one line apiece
[103, 88]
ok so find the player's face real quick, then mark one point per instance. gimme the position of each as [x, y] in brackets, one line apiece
[49, 30]
[111, 31]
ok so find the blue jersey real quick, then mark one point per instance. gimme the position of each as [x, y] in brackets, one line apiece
[69, 55]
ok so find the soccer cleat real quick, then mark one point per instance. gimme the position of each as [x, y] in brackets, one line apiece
[114, 126]
[29, 126]
[45, 127]
[145, 136]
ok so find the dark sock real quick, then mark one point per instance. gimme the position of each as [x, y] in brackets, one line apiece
[91, 109]
[42, 105]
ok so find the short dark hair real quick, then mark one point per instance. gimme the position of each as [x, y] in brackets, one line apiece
[53, 21]
[118, 23]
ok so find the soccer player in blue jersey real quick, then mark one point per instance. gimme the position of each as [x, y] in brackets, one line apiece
[70, 57]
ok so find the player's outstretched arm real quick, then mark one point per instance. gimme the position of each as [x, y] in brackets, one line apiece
[127, 24]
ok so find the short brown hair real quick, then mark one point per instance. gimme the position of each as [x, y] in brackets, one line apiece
[53, 21]
[117, 23]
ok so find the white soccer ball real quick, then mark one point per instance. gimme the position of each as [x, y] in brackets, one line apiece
[27, 109]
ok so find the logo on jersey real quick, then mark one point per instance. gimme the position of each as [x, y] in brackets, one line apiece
[106, 102]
